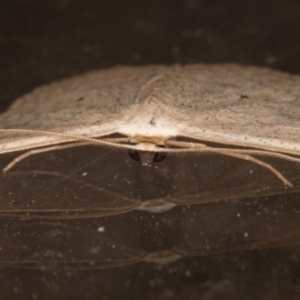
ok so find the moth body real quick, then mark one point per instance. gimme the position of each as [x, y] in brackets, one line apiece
[151, 120]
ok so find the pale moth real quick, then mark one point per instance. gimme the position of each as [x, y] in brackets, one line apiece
[233, 110]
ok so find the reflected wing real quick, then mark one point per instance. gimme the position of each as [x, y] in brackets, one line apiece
[73, 184]
[191, 232]
[62, 246]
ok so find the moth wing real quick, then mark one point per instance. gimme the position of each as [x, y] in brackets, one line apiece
[227, 104]
[237, 105]
[93, 104]
[251, 126]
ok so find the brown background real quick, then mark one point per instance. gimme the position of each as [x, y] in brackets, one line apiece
[46, 40]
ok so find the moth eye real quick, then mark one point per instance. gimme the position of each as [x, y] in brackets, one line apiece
[134, 154]
[158, 157]
[147, 157]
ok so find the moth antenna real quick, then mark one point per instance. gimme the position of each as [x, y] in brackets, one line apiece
[71, 137]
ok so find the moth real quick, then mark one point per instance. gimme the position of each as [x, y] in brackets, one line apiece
[241, 111]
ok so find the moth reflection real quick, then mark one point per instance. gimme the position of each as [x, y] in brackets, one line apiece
[186, 232]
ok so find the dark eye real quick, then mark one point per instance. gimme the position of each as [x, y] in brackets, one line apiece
[134, 154]
[147, 157]
[159, 156]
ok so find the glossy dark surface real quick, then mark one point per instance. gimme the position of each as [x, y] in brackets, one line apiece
[91, 223]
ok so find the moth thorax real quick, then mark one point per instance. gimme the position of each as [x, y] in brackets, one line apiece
[155, 95]
[145, 146]
[151, 117]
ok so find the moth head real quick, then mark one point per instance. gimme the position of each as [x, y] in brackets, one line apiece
[147, 157]
[147, 153]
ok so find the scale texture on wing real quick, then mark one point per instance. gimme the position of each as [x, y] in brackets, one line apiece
[236, 105]
[91, 105]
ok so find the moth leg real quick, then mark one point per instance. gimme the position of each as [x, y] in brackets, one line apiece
[267, 153]
[255, 160]
[242, 154]
[181, 144]
[41, 150]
